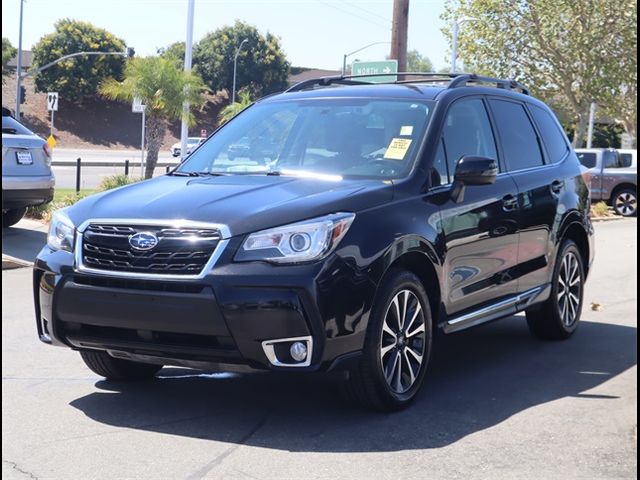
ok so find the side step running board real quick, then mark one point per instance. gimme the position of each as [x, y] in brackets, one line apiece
[504, 308]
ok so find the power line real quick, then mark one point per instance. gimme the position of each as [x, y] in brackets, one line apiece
[355, 15]
[386, 19]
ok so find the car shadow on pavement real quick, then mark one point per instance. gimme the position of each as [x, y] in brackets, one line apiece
[23, 243]
[477, 379]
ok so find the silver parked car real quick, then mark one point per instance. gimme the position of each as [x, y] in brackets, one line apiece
[614, 177]
[192, 143]
[27, 179]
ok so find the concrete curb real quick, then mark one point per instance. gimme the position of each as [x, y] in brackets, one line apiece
[11, 263]
[607, 219]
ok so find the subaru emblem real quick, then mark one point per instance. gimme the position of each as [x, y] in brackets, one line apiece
[143, 241]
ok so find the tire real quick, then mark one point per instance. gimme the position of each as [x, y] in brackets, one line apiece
[558, 317]
[11, 217]
[375, 382]
[111, 368]
[625, 202]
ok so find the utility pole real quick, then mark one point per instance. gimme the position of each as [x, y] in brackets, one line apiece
[592, 119]
[399, 33]
[235, 66]
[19, 65]
[184, 130]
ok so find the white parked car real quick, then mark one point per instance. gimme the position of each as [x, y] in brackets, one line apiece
[192, 143]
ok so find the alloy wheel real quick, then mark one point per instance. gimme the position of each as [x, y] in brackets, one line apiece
[569, 289]
[402, 346]
[626, 204]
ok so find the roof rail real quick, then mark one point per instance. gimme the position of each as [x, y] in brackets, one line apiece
[454, 79]
[461, 80]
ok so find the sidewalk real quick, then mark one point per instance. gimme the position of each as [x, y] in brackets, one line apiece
[22, 242]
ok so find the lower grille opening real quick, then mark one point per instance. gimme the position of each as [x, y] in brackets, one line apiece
[148, 336]
[135, 284]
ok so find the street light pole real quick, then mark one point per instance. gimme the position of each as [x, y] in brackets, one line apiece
[344, 57]
[19, 65]
[455, 31]
[184, 127]
[592, 118]
[235, 65]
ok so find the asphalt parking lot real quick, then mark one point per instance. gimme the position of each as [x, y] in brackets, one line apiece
[496, 404]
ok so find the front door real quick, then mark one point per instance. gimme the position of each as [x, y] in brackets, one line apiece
[480, 232]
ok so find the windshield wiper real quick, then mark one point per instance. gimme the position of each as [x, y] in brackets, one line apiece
[179, 173]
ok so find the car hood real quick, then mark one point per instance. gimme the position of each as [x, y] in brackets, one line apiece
[245, 203]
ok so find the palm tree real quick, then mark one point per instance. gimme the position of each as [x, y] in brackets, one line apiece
[163, 87]
[231, 110]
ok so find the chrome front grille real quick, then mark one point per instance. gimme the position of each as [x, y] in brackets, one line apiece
[179, 251]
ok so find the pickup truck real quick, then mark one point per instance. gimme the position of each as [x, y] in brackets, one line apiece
[614, 176]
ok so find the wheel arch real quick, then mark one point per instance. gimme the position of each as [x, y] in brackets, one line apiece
[419, 257]
[575, 230]
[622, 186]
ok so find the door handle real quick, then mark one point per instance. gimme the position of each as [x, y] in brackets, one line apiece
[509, 203]
[556, 186]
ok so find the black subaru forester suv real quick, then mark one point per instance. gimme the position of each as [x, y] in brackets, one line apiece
[361, 219]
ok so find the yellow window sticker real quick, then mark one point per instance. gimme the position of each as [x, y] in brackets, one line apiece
[406, 130]
[397, 148]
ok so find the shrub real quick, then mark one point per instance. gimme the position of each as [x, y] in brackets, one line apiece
[116, 181]
[44, 212]
[600, 209]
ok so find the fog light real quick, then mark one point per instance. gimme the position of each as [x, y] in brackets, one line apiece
[298, 351]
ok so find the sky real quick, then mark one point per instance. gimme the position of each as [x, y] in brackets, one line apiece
[314, 33]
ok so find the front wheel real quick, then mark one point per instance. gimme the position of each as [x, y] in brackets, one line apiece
[625, 202]
[558, 317]
[116, 368]
[397, 346]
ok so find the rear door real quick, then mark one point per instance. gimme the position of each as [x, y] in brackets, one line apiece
[23, 152]
[481, 231]
[541, 181]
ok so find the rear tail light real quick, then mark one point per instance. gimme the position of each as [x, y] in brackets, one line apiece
[48, 153]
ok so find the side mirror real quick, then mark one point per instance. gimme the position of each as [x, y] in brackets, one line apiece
[473, 170]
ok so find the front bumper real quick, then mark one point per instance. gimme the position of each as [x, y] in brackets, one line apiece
[225, 320]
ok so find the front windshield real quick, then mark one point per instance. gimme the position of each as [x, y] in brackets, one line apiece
[337, 137]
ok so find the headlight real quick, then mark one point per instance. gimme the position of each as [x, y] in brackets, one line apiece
[298, 242]
[61, 232]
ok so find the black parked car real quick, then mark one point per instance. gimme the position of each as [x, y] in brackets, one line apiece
[390, 212]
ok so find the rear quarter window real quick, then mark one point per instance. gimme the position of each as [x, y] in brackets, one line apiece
[552, 136]
[10, 126]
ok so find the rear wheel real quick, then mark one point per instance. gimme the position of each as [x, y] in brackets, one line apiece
[11, 217]
[111, 368]
[625, 202]
[558, 317]
[397, 346]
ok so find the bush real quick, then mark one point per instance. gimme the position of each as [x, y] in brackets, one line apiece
[116, 181]
[44, 212]
[600, 209]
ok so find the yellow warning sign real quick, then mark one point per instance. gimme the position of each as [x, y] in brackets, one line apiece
[51, 141]
[397, 148]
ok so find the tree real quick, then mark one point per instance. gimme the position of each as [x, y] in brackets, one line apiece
[80, 76]
[231, 110]
[563, 49]
[175, 52]
[262, 65]
[417, 63]
[163, 88]
[8, 52]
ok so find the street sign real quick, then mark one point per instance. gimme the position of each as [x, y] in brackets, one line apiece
[367, 68]
[52, 101]
[137, 106]
[51, 142]
[203, 133]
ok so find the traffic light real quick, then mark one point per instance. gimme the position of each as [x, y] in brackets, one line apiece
[130, 52]
[23, 94]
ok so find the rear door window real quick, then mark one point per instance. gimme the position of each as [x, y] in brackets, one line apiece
[519, 139]
[588, 159]
[467, 131]
[553, 137]
[611, 159]
[626, 159]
